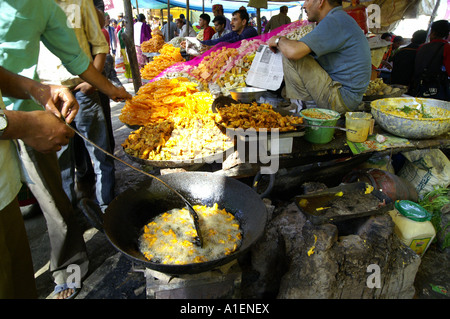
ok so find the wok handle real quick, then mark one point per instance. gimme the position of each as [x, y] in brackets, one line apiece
[269, 187]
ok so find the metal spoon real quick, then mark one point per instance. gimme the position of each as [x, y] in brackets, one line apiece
[324, 126]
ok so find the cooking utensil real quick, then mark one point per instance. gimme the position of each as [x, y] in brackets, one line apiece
[420, 128]
[325, 126]
[127, 214]
[247, 94]
[319, 208]
[199, 238]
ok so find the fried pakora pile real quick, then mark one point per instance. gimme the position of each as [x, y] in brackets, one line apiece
[255, 116]
[148, 139]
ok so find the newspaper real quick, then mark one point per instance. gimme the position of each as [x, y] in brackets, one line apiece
[266, 71]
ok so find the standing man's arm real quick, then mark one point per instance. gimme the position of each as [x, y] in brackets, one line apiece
[291, 49]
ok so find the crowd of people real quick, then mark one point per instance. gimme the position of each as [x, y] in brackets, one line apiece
[423, 67]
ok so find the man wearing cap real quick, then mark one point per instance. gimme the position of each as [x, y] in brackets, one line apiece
[278, 20]
[241, 30]
[217, 10]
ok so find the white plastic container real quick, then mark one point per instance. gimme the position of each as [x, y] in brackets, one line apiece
[413, 226]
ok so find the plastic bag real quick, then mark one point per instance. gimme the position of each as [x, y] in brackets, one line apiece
[426, 169]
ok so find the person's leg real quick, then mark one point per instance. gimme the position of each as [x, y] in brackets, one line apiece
[306, 80]
[92, 124]
[66, 238]
[16, 265]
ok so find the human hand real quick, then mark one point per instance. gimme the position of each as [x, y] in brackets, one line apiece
[45, 132]
[65, 101]
[272, 45]
[85, 88]
[119, 94]
[56, 99]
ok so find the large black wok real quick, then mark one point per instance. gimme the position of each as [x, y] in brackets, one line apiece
[131, 210]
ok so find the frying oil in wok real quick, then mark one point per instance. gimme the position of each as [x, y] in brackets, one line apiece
[169, 238]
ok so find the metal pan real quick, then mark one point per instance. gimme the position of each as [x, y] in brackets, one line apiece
[188, 163]
[130, 211]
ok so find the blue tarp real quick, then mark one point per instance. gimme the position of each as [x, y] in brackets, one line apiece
[228, 6]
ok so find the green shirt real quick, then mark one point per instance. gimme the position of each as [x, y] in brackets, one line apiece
[23, 24]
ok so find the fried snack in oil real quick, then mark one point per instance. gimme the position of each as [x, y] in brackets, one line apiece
[168, 239]
[255, 116]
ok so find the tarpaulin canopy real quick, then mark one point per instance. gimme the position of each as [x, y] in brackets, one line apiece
[197, 5]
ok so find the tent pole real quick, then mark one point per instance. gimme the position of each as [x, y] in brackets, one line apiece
[187, 18]
[128, 38]
[168, 18]
[258, 20]
[433, 16]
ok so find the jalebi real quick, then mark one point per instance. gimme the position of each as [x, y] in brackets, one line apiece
[164, 99]
[154, 44]
[169, 55]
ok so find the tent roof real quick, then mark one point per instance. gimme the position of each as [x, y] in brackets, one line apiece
[197, 5]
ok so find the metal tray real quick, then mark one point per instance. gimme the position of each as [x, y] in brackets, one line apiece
[323, 206]
[403, 90]
[188, 163]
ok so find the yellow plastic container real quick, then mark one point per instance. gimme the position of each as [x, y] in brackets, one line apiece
[360, 122]
[413, 226]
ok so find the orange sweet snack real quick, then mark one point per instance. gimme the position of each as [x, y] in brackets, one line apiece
[169, 56]
[165, 99]
[154, 44]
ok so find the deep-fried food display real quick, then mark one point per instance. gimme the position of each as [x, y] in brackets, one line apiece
[168, 239]
[148, 139]
[190, 138]
[168, 57]
[154, 44]
[255, 116]
[164, 99]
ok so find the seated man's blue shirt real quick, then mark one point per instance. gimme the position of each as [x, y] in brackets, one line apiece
[342, 50]
[248, 32]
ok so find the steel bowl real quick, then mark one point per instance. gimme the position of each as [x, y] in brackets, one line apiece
[418, 128]
[247, 94]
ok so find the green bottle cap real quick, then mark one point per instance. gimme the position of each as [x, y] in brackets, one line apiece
[412, 210]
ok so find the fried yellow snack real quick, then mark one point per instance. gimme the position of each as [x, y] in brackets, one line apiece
[255, 116]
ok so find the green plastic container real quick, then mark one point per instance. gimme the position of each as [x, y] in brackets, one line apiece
[319, 135]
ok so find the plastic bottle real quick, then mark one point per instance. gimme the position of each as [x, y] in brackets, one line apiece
[412, 225]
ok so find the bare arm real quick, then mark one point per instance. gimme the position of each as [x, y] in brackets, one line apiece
[41, 130]
[95, 78]
[291, 49]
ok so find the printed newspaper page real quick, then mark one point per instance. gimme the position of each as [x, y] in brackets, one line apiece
[266, 71]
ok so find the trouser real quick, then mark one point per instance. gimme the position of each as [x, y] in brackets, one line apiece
[84, 169]
[16, 265]
[90, 122]
[66, 238]
[306, 80]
